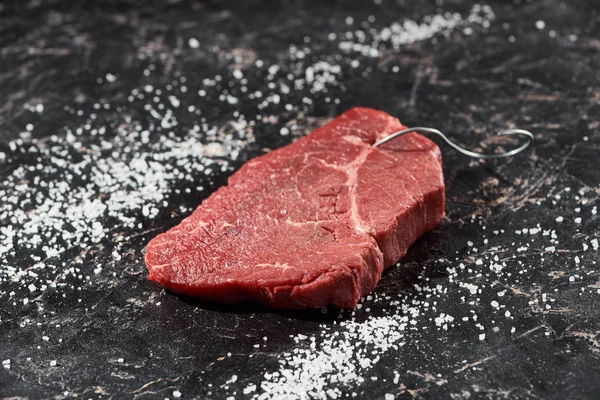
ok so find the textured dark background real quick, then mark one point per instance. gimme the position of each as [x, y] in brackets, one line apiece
[510, 74]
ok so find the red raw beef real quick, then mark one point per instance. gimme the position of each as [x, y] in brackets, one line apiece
[310, 224]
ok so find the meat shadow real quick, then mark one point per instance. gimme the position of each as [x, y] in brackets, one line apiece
[321, 315]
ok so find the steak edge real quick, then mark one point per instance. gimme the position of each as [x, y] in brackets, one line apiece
[309, 224]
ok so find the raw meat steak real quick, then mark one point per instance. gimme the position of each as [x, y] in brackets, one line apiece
[309, 224]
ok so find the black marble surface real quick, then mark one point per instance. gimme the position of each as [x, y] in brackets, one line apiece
[121, 336]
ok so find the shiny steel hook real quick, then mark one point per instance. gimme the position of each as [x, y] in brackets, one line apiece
[469, 153]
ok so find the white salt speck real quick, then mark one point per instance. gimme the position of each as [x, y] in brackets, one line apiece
[237, 74]
[53, 363]
[495, 304]
[284, 131]
[595, 244]
[540, 24]
[120, 360]
[389, 396]
[29, 127]
[513, 330]
[193, 43]
[482, 336]
[249, 389]
[174, 101]
[472, 288]
[559, 219]
[231, 99]
[110, 77]
[176, 394]
[507, 314]
[571, 279]
[578, 220]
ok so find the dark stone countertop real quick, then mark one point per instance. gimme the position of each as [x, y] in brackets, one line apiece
[106, 112]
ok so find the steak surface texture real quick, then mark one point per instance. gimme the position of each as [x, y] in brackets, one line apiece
[310, 224]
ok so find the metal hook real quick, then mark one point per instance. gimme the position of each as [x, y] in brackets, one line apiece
[469, 153]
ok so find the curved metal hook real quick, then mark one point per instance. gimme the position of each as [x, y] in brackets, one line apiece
[469, 153]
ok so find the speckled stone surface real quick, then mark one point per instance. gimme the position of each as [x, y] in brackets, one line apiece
[121, 336]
